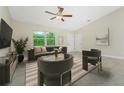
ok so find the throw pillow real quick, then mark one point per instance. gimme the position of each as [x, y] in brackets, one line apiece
[43, 49]
[60, 48]
[37, 49]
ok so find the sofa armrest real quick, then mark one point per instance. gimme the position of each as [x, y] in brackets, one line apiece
[64, 50]
[31, 55]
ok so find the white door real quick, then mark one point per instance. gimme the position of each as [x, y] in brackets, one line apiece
[78, 42]
[70, 42]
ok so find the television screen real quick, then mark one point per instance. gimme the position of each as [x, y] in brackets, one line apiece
[5, 34]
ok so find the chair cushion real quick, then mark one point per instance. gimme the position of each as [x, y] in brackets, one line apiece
[92, 58]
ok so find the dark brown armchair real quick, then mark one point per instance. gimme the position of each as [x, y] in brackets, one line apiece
[93, 57]
[55, 73]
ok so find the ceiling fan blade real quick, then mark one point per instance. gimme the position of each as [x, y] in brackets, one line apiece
[60, 9]
[52, 18]
[50, 12]
[67, 15]
[62, 19]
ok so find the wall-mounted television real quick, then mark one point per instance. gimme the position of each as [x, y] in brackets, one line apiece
[5, 34]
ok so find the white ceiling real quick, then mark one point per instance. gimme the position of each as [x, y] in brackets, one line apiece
[81, 15]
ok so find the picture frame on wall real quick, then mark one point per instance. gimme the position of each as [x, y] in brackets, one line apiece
[102, 38]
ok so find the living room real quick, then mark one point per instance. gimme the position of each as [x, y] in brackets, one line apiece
[76, 33]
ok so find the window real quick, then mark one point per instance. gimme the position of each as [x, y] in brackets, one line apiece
[44, 38]
[50, 37]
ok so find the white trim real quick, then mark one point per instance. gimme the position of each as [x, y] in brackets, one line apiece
[115, 57]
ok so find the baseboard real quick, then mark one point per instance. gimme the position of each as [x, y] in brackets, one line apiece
[114, 57]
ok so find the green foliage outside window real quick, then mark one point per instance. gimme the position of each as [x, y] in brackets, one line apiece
[44, 38]
[50, 41]
[39, 41]
[50, 35]
[39, 35]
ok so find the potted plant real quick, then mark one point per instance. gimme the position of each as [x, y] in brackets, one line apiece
[20, 45]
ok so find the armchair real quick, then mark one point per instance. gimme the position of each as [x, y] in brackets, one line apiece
[93, 57]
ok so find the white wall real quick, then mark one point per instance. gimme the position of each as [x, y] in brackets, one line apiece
[4, 14]
[70, 42]
[23, 30]
[77, 42]
[115, 22]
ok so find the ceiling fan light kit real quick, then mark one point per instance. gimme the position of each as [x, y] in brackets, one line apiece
[58, 17]
[59, 14]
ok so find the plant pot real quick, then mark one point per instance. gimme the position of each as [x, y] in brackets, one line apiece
[20, 58]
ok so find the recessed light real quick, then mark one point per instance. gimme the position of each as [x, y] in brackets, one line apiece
[88, 20]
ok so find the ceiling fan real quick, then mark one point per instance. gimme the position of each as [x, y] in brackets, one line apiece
[59, 14]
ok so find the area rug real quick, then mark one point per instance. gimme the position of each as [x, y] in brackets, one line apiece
[77, 72]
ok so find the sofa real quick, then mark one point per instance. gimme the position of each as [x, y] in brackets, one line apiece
[39, 51]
